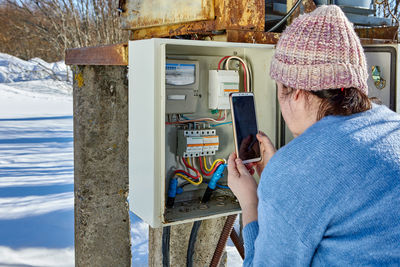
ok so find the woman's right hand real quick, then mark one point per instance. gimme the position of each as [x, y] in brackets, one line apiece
[267, 151]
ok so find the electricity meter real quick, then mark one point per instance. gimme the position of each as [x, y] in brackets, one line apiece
[182, 86]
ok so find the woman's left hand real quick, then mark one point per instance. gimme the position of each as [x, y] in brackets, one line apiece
[243, 185]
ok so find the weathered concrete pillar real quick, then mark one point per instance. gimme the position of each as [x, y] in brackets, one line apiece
[102, 227]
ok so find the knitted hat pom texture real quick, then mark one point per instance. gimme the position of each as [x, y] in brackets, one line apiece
[318, 51]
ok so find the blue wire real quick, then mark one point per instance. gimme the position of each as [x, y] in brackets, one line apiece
[220, 186]
[218, 124]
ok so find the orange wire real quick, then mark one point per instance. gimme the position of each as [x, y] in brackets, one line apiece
[212, 171]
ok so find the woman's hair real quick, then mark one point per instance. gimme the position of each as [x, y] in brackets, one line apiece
[343, 102]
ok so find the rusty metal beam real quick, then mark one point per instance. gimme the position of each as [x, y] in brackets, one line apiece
[252, 37]
[388, 33]
[240, 14]
[201, 27]
[368, 41]
[309, 6]
[139, 14]
[230, 14]
[116, 54]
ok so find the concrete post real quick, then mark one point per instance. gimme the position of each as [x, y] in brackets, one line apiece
[102, 227]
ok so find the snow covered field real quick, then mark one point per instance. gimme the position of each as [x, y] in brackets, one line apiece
[36, 168]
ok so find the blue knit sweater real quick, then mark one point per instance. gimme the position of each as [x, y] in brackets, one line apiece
[331, 197]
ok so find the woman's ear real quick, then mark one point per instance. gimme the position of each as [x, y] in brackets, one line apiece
[296, 94]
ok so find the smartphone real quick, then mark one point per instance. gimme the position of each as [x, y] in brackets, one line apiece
[245, 128]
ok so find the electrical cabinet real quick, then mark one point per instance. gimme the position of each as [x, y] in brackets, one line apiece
[384, 74]
[179, 121]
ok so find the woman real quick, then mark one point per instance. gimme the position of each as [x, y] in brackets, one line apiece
[332, 195]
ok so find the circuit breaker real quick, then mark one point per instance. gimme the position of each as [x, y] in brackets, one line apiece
[197, 143]
[180, 131]
[221, 84]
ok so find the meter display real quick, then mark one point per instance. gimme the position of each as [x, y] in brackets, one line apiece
[180, 74]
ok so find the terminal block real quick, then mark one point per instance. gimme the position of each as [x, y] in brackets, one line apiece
[197, 143]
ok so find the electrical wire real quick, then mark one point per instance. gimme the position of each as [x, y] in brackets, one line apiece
[214, 163]
[199, 120]
[219, 124]
[211, 172]
[246, 74]
[285, 17]
[218, 185]
[165, 245]
[219, 63]
[192, 242]
[195, 180]
[189, 180]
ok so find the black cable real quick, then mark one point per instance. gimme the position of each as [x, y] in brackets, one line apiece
[165, 245]
[285, 17]
[192, 241]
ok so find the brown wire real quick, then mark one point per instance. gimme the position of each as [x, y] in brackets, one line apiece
[226, 231]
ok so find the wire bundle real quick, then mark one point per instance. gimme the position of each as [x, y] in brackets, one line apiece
[209, 171]
[246, 76]
[204, 170]
[219, 119]
[194, 180]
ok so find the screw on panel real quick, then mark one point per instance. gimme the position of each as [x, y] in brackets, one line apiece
[203, 207]
[220, 198]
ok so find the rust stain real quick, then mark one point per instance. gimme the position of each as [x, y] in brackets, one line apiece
[149, 13]
[309, 5]
[201, 27]
[368, 41]
[387, 33]
[116, 54]
[240, 14]
[229, 14]
[252, 37]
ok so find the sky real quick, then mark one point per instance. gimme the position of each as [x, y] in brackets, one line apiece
[36, 169]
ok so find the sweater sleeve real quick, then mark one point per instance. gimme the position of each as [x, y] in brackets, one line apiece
[271, 241]
[250, 232]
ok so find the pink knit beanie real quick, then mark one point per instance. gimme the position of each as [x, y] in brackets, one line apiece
[318, 51]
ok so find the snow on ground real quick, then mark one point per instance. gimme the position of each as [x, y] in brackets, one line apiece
[36, 168]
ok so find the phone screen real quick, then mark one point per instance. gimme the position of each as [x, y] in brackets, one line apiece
[246, 127]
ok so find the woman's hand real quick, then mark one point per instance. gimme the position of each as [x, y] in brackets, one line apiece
[267, 151]
[243, 185]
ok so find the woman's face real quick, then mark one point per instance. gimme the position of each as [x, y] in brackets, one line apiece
[298, 112]
[286, 105]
